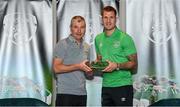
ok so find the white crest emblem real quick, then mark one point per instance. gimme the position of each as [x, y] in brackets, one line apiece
[116, 44]
[159, 24]
[20, 28]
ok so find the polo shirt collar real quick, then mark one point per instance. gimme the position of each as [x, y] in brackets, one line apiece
[114, 33]
[73, 40]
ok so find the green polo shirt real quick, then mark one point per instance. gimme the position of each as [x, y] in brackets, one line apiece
[115, 48]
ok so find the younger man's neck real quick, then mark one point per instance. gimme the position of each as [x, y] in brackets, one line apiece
[109, 32]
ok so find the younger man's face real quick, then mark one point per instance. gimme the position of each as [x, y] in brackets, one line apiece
[109, 20]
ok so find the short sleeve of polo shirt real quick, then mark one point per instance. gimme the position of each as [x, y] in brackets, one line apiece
[60, 50]
[128, 45]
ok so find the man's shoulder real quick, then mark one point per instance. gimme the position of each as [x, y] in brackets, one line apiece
[121, 33]
[100, 35]
[124, 35]
[64, 40]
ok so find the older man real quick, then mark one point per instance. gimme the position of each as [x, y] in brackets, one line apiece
[71, 54]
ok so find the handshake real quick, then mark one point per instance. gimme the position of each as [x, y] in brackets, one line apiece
[97, 68]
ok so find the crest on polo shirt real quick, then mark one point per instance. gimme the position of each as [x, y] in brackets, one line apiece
[20, 28]
[116, 44]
